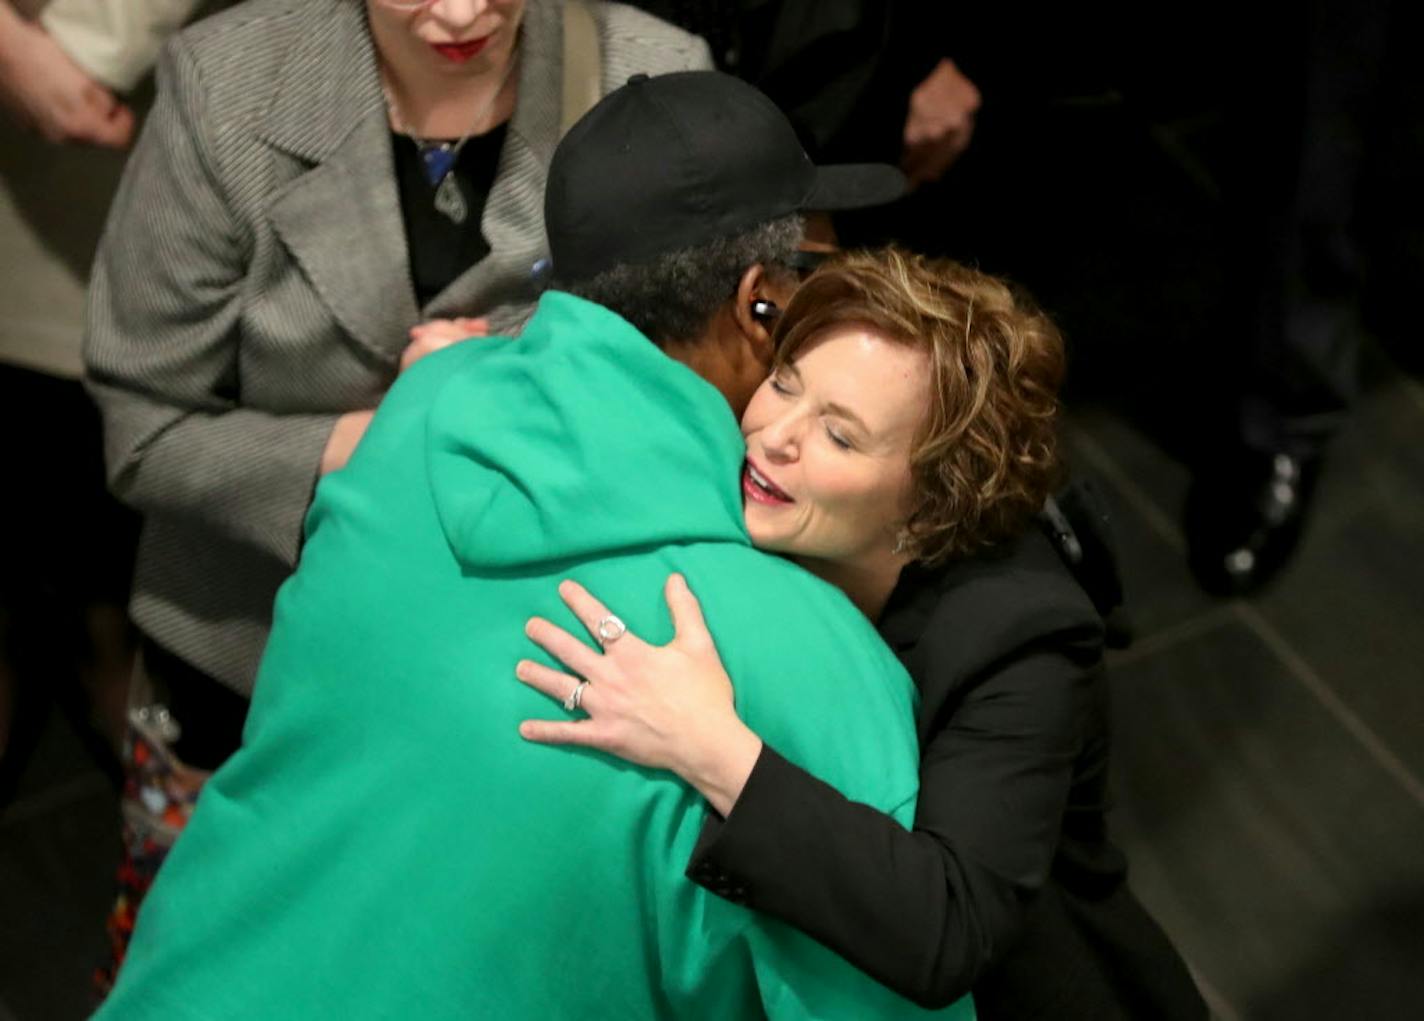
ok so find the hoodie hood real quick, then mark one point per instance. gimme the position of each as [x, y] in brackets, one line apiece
[580, 439]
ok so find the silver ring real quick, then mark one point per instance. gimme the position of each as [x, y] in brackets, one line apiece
[575, 698]
[610, 629]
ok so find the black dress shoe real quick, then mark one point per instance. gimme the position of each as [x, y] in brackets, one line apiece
[1244, 522]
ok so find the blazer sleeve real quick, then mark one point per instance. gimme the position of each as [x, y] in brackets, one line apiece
[923, 911]
[161, 343]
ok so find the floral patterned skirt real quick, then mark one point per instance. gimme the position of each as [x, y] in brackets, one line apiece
[158, 798]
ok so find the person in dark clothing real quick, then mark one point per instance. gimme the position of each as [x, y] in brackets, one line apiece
[1308, 118]
[1008, 884]
[859, 80]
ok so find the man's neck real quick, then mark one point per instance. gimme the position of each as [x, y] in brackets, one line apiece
[710, 360]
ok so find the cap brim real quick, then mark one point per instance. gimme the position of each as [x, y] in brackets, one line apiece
[855, 186]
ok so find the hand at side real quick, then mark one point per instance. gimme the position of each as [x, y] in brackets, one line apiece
[940, 123]
[48, 93]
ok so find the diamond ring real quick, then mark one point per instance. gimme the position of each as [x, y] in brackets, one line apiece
[610, 629]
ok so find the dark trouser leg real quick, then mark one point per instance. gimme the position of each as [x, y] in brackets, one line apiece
[68, 557]
[1150, 977]
[1310, 81]
[1304, 135]
[1077, 959]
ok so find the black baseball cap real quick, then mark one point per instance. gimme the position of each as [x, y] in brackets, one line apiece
[675, 160]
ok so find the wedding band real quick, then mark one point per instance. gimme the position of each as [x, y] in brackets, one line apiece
[610, 629]
[575, 698]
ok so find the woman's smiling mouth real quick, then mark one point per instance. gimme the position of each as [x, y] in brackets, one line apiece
[756, 486]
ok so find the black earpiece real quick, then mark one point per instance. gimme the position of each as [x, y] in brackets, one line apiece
[765, 311]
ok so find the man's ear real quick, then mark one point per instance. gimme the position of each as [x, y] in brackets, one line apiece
[760, 298]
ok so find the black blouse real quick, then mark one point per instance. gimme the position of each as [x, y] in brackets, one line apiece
[440, 249]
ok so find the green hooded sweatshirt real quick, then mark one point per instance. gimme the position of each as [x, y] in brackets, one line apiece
[386, 845]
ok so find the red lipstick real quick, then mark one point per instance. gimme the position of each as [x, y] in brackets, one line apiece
[460, 52]
[760, 489]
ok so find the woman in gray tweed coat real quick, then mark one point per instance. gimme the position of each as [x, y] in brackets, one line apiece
[316, 179]
[254, 292]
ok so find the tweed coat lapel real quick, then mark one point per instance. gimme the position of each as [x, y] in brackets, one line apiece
[341, 220]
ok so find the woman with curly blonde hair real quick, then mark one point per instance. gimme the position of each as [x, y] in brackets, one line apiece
[902, 450]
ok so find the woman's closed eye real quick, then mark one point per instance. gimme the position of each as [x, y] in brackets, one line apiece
[839, 438]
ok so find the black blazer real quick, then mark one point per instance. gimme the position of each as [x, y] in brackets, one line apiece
[1006, 651]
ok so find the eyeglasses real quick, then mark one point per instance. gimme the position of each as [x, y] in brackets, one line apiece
[806, 261]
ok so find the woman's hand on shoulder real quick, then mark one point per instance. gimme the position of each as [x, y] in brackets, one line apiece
[345, 437]
[435, 334]
[425, 338]
[666, 707]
